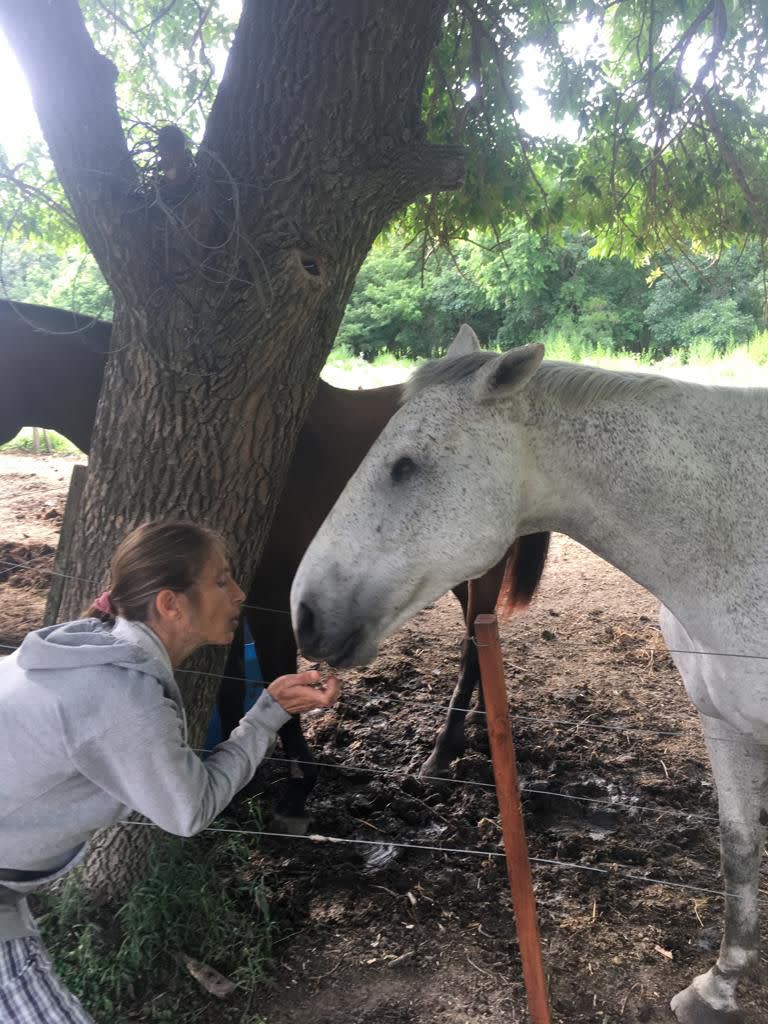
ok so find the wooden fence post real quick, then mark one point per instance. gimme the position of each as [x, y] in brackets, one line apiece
[511, 812]
[61, 561]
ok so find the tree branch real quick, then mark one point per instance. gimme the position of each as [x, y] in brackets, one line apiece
[732, 162]
[420, 169]
[34, 192]
[73, 88]
[382, 50]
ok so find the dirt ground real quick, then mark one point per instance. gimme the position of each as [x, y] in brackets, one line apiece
[616, 789]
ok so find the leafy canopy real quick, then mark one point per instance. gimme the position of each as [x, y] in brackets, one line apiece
[666, 99]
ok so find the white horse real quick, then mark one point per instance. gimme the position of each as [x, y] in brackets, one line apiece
[668, 481]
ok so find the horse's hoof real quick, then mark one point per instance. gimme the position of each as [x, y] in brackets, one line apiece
[435, 768]
[290, 825]
[690, 1008]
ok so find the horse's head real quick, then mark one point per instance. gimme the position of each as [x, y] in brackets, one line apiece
[406, 528]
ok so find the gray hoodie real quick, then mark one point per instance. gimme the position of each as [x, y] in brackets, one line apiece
[92, 727]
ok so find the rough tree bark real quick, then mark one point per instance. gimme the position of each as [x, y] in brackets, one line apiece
[230, 273]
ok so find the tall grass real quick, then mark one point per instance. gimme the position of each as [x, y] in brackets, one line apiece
[577, 349]
[739, 364]
[344, 369]
[758, 349]
[743, 365]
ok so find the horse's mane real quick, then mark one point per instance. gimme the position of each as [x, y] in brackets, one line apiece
[522, 574]
[580, 386]
[577, 386]
[448, 370]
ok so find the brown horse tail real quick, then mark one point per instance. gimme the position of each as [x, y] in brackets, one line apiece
[525, 564]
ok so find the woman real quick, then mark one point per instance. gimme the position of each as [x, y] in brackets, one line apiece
[92, 727]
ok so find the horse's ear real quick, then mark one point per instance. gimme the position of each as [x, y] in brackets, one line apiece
[466, 341]
[507, 374]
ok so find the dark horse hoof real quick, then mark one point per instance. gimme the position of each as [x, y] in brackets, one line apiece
[690, 1008]
[289, 825]
[437, 766]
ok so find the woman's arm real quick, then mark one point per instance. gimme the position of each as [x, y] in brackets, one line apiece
[144, 762]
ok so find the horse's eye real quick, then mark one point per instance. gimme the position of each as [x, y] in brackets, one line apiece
[403, 469]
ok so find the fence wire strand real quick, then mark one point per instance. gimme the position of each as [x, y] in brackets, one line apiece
[612, 871]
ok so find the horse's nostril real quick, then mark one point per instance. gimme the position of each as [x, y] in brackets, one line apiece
[306, 623]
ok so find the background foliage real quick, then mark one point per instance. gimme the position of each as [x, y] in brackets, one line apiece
[523, 288]
[653, 158]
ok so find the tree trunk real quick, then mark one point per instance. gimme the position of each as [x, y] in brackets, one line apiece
[229, 292]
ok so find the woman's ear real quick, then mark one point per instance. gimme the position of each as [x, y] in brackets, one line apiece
[167, 605]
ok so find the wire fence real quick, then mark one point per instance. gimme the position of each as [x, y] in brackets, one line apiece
[612, 871]
[630, 806]
[560, 723]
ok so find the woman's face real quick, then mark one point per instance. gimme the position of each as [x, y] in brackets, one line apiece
[213, 604]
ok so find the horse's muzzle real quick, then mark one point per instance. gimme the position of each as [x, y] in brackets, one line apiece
[329, 645]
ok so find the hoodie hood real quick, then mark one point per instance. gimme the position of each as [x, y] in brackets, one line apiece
[89, 643]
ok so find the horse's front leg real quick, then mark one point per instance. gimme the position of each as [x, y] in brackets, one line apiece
[276, 650]
[478, 597]
[291, 811]
[741, 775]
[451, 741]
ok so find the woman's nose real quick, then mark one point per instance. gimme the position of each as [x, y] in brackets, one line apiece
[239, 595]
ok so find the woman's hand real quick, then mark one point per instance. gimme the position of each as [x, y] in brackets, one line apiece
[304, 691]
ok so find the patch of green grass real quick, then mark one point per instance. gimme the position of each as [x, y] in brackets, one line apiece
[200, 899]
[23, 442]
[385, 359]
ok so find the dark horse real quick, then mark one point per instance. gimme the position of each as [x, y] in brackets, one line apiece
[51, 368]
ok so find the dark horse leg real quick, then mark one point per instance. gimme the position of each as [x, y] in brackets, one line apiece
[512, 583]
[476, 597]
[276, 650]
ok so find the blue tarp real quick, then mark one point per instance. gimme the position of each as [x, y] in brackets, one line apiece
[254, 687]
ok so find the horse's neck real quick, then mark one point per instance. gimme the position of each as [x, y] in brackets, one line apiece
[356, 417]
[658, 481]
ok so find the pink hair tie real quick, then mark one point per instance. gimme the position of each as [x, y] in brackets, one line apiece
[103, 604]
